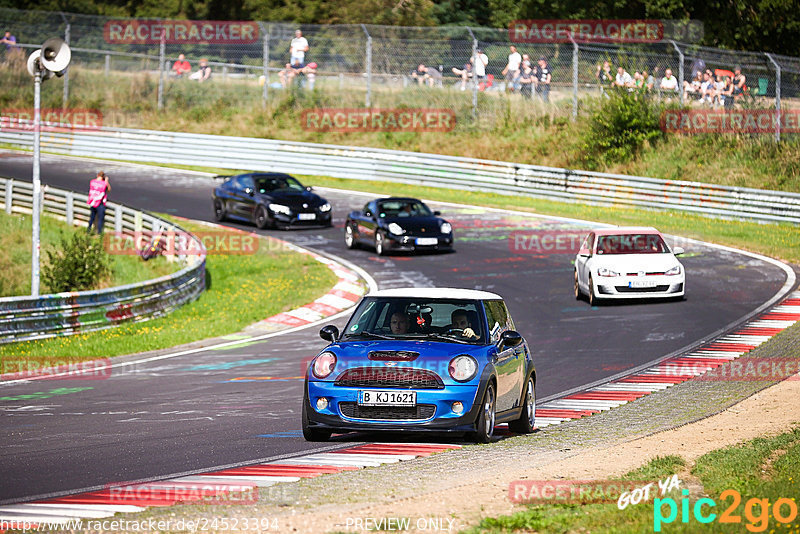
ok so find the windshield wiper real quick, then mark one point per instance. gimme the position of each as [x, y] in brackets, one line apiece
[369, 334]
[445, 337]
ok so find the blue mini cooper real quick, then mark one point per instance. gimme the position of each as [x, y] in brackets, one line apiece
[422, 359]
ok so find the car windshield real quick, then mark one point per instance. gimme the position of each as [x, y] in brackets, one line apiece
[453, 321]
[267, 184]
[403, 208]
[631, 244]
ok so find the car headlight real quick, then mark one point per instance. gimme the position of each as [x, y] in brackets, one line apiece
[674, 271]
[463, 368]
[280, 208]
[446, 228]
[323, 364]
[325, 207]
[396, 229]
[602, 271]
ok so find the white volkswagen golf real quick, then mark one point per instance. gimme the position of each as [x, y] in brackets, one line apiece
[628, 262]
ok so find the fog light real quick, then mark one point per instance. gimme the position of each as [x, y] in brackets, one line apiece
[458, 407]
[322, 403]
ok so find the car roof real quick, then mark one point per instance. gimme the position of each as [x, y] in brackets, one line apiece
[436, 293]
[624, 230]
[396, 199]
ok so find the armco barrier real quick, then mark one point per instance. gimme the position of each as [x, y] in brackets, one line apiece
[27, 318]
[416, 168]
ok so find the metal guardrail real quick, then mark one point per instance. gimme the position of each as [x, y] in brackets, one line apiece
[421, 169]
[60, 314]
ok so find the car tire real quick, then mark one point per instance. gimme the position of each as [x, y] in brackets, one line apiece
[312, 434]
[527, 419]
[578, 293]
[220, 213]
[380, 248]
[261, 218]
[484, 426]
[349, 236]
[593, 300]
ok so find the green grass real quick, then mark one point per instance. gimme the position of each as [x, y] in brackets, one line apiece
[15, 256]
[507, 128]
[765, 468]
[244, 289]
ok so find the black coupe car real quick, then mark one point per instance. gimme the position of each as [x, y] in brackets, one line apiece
[270, 199]
[398, 224]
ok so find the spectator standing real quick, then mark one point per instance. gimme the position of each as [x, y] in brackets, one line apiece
[181, 67]
[669, 82]
[11, 45]
[512, 68]
[98, 195]
[298, 49]
[739, 81]
[203, 72]
[419, 73]
[480, 67]
[543, 80]
[433, 77]
[527, 80]
[623, 79]
[604, 76]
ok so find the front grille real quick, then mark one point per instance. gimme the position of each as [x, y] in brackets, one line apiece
[394, 413]
[390, 377]
[656, 289]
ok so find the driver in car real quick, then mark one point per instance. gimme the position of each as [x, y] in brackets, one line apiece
[399, 323]
[459, 320]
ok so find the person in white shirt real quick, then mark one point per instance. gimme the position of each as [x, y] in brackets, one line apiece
[623, 79]
[298, 49]
[480, 68]
[669, 82]
[511, 72]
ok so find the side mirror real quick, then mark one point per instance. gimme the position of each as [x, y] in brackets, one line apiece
[329, 333]
[510, 339]
[249, 191]
[437, 213]
[678, 251]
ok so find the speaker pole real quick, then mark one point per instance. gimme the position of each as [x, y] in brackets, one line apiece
[37, 184]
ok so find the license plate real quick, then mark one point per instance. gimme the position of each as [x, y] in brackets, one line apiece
[306, 216]
[641, 283]
[371, 397]
[425, 241]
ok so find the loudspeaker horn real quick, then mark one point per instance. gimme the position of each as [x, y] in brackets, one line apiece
[56, 55]
[35, 64]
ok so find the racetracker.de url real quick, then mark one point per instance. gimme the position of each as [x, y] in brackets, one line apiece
[202, 524]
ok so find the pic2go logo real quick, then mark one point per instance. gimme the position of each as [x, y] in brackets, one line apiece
[783, 510]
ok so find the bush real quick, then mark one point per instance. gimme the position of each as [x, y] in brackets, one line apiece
[621, 125]
[78, 264]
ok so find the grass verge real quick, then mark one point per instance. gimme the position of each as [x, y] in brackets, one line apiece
[15, 256]
[244, 289]
[761, 473]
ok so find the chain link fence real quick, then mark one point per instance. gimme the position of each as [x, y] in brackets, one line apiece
[357, 66]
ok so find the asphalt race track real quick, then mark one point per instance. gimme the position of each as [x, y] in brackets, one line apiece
[187, 413]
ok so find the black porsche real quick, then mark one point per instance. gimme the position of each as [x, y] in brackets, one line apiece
[270, 199]
[398, 224]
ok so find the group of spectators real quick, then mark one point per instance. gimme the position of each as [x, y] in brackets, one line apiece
[521, 75]
[182, 68]
[705, 87]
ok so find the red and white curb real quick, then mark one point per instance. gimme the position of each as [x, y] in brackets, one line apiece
[673, 370]
[216, 487]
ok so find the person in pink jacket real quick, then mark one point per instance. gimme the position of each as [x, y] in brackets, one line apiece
[98, 195]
